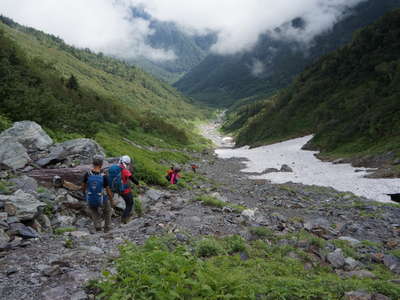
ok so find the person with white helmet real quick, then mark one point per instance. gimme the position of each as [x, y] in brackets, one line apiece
[126, 194]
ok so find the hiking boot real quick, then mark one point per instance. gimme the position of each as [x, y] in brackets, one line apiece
[98, 229]
[125, 220]
[107, 229]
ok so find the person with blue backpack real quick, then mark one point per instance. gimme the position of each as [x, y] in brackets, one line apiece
[119, 176]
[98, 194]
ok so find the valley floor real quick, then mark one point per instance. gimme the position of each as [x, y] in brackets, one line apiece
[59, 266]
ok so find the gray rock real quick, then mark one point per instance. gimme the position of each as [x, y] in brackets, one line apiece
[393, 263]
[4, 238]
[353, 242]
[286, 168]
[25, 183]
[23, 231]
[63, 221]
[351, 264]
[26, 205]
[29, 134]
[154, 195]
[12, 153]
[44, 221]
[336, 258]
[81, 149]
[357, 295]
[360, 274]
[3, 216]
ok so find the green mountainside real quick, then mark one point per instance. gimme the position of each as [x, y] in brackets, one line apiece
[222, 80]
[349, 99]
[76, 93]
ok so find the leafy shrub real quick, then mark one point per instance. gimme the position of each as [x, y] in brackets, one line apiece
[62, 230]
[154, 271]
[208, 247]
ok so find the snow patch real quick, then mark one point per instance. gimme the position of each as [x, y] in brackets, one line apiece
[307, 169]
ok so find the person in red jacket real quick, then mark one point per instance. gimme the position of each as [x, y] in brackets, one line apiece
[125, 163]
[175, 175]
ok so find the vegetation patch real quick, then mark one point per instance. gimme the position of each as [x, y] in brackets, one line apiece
[212, 201]
[217, 269]
[62, 230]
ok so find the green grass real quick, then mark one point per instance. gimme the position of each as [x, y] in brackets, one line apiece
[262, 232]
[62, 230]
[5, 187]
[213, 269]
[212, 201]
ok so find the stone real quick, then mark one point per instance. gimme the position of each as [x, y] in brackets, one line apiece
[25, 183]
[80, 149]
[63, 221]
[360, 274]
[249, 214]
[219, 197]
[353, 242]
[320, 227]
[336, 258]
[392, 262]
[4, 238]
[3, 216]
[286, 168]
[52, 271]
[351, 264]
[357, 295]
[26, 205]
[29, 134]
[23, 231]
[44, 221]
[10, 209]
[12, 153]
[79, 234]
[154, 195]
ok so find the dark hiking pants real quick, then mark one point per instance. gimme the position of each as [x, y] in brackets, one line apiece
[128, 198]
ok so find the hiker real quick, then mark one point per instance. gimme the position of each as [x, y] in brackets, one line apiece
[175, 175]
[194, 167]
[119, 176]
[169, 173]
[95, 184]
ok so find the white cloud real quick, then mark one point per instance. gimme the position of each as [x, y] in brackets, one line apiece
[106, 25]
[101, 25]
[257, 68]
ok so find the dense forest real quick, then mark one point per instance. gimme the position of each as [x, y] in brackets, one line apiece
[349, 99]
[222, 80]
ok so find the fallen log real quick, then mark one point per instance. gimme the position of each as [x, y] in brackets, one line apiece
[72, 177]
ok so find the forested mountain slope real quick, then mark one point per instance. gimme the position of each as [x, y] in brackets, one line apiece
[222, 80]
[76, 93]
[349, 98]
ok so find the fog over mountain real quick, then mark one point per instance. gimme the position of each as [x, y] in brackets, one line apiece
[110, 27]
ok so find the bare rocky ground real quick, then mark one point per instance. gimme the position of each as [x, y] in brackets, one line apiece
[40, 264]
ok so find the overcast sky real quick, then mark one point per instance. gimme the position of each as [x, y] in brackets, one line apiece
[107, 25]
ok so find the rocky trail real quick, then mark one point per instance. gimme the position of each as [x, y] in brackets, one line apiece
[41, 257]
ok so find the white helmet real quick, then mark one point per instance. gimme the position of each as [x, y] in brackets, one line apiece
[125, 160]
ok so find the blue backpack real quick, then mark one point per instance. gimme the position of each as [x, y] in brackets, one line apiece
[95, 190]
[115, 179]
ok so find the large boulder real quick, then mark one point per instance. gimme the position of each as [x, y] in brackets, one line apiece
[29, 134]
[25, 205]
[12, 153]
[80, 149]
[25, 183]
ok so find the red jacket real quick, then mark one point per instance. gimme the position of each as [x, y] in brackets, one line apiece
[126, 174]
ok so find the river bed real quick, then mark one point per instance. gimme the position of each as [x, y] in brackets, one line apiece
[307, 169]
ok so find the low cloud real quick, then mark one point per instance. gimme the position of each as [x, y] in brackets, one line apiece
[257, 68]
[108, 25]
[101, 25]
